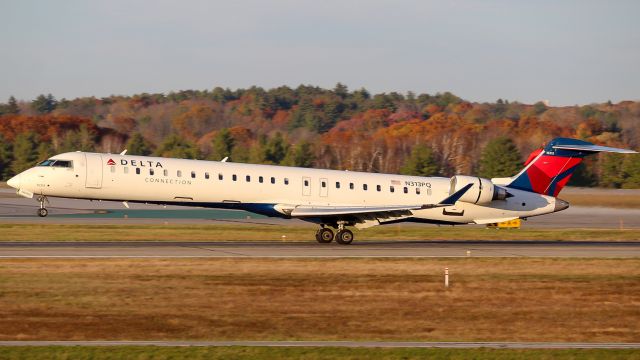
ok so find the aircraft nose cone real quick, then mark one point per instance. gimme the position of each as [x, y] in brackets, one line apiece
[14, 182]
[560, 205]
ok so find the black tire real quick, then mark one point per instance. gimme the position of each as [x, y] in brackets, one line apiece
[43, 212]
[324, 236]
[344, 237]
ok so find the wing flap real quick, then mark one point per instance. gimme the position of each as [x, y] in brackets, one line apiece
[319, 211]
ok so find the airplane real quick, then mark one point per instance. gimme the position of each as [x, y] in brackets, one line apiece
[333, 199]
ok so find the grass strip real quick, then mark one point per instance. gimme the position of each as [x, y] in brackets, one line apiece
[243, 232]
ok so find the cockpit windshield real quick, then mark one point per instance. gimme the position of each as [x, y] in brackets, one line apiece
[57, 163]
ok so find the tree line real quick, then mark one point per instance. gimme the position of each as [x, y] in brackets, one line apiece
[309, 126]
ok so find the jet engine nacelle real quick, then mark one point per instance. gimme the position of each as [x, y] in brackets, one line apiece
[482, 192]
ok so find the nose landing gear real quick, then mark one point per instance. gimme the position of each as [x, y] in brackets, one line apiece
[42, 212]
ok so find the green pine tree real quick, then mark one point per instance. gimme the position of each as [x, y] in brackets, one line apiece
[44, 104]
[300, 155]
[12, 106]
[5, 158]
[25, 152]
[138, 145]
[44, 151]
[222, 145]
[276, 149]
[177, 147]
[257, 153]
[631, 172]
[500, 158]
[611, 167]
[421, 162]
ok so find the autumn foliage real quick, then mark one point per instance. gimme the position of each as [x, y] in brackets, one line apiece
[336, 128]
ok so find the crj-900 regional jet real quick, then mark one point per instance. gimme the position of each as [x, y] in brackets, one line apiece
[330, 198]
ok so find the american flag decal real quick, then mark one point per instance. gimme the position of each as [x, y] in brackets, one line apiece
[395, 182]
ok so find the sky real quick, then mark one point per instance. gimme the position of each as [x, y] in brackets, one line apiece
[566, 52]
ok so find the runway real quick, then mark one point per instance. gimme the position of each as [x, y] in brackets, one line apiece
[377, 249]
[350, 344]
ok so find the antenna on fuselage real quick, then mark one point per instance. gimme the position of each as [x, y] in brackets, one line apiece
[123, 152]
[225, 159]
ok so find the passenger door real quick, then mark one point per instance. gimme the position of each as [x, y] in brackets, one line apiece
[94, 171]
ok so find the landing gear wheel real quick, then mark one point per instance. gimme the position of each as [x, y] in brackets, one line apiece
[324, 236]
[344, 237]
[43, 212]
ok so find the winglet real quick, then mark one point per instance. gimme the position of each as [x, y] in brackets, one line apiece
[451, 200]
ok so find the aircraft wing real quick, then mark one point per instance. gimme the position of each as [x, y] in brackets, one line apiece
[321, 211]
[367, 216]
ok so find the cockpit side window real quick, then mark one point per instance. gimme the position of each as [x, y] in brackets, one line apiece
[57, 163]
[46, 163]
[62, 163]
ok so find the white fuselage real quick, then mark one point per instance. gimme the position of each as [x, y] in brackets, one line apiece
[260, 188]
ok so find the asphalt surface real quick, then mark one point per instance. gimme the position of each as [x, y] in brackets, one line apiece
[350, 344]
[315, 250]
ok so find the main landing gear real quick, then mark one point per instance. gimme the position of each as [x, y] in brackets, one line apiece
[325, 235]
[42, 212]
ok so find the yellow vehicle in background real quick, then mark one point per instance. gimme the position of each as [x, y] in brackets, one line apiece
[511, 224]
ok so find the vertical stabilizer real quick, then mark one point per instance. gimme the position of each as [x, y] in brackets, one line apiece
[548, 170]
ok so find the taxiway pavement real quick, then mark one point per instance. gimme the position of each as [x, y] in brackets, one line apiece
[369, 249]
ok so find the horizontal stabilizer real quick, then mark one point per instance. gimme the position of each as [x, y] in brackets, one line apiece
[594, 148]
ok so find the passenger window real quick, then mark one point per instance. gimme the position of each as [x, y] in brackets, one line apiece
[351, 186]
[260, 179]
[113, 169]
[364, 186]
[406, 190]
[193, 174]
[179, 173]
[417, 191]
[138, 171]
[248, 178]
[151, 172]
[392, 189]
[206, 175]
[220, 177]
[234, 177]
[286, 181]
[165, 172]
[126, 170]
[323, 184]
[273, 180]
[306, 183]
[337, 184]
[378, 187]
